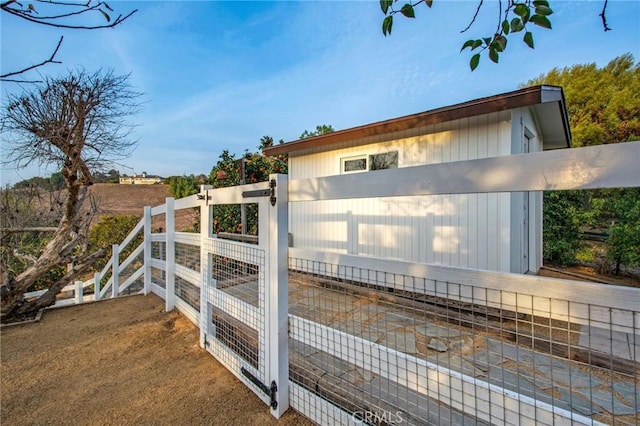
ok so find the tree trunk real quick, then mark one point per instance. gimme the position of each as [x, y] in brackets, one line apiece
[49, 298]
[59, 250]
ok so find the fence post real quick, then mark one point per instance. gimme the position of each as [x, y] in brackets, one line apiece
[170, 283]
[96, 286]
[146, 230]
[79, 295]
[277, 297]
[115, 271]
[206, 219]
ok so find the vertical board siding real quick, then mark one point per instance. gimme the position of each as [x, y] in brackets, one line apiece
[468, 230]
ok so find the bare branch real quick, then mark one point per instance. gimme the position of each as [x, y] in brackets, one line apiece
[47, 61]
[604, 18]
[475, 16]
[67, 20]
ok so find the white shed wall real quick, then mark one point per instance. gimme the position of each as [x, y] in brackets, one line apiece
[469, 230]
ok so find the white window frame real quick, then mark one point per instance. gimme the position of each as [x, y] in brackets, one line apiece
[364, 157]
[367, 158]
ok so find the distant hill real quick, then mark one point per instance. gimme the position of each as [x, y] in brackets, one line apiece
[116, 199]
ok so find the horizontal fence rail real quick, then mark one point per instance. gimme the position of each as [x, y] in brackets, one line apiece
[348, 339]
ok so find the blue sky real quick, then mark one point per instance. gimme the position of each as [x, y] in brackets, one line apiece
[220, 75]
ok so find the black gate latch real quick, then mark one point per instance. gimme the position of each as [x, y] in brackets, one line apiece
[271, 390]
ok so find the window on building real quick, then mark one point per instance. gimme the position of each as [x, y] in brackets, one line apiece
[386, 160]
[362, 163]
[354, 164]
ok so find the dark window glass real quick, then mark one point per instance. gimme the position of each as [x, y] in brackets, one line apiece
[387, 160]
[355, 165]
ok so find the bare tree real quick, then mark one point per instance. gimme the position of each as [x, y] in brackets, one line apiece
[79, 123]
[59, 14]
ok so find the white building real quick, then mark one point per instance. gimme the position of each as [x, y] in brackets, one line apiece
[498, 231]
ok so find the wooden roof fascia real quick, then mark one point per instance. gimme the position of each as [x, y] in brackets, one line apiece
[506, 101]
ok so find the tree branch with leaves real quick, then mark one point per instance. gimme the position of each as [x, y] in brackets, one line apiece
[512, 17]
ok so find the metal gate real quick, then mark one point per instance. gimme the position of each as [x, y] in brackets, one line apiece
[243, 321]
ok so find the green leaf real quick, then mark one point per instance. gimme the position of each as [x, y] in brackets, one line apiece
[429, 3]
[537, 3]
[487, 40]
[541, 21]
[468, 43]
[500, 42]
[475, 60]
[385, 4]
[521, 10]
[516, 25]
[528, 38]
[387, 24]
[106, 16]
[505, 26]
[407, 10]
[476, 44]
[544, 10]
[493, 55]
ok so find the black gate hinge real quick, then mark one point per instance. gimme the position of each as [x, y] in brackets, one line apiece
[271, 390]
[272, 186]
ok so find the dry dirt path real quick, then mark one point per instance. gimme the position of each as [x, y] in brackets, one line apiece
[120, 362]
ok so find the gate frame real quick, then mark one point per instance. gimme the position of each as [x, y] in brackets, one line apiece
[273, 239]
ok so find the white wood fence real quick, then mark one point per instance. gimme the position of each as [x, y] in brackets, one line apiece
[613, 308]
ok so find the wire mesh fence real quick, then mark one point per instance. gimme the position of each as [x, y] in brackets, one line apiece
[188, 256]
[158, 276]
[188, 292]
[237, 304]
[378, 346]
[159, 250]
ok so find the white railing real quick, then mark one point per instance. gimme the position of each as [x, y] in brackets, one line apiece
[612, 310]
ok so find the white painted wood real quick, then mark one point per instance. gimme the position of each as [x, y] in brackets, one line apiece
[146, 218]
[157, 290]
[78, 292]
[193, 277]
[132, 256]
[277, 296]
[133, 233]
[206, 219]
[161, 209]
[317, 409]
[115, 271]
[237, 308]
[575, 301]
[186, 310]
[137, 274]
[467, 394]
[186, 202]
[170, 284]
[233, 194]
[106, 287]
[107, 266]
[96, 285]
[160, 264]
[188, 238]
[158, 237]
[602, 166]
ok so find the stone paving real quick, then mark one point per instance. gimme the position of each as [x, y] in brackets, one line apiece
[562, 383]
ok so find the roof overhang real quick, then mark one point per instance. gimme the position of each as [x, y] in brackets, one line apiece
[547, 102]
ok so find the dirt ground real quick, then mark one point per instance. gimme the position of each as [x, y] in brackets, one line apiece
[122, 361]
